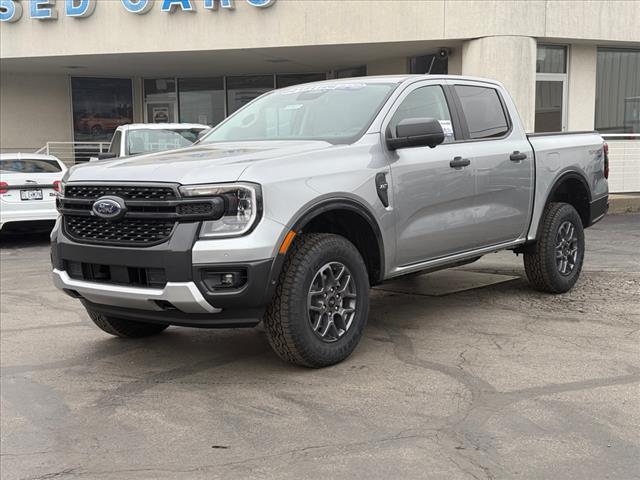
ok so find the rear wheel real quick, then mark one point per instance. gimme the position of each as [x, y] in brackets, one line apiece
[123, 328]
[321, 303]
[554, 263]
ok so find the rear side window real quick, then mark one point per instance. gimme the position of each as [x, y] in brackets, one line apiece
[483, 111]
[25, 165]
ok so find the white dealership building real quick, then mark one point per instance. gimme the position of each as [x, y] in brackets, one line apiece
[72, 70]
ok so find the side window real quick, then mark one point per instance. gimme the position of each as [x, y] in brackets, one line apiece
[483, 111]
[425, 102]
[115, 143]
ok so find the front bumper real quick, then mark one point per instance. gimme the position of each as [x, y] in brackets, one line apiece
[183, 297]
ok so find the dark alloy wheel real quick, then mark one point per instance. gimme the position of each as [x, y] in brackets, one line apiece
[332, 302]
[321, 304]
[554, 263]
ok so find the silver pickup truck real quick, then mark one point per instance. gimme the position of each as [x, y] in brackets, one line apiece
[289, 210]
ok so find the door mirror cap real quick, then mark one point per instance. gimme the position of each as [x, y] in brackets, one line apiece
[106, 155]
[416, 132]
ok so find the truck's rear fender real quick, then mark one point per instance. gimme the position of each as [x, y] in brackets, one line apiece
[569, 168]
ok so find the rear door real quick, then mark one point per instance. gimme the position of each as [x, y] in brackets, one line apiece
[433, 201]
[503, 161]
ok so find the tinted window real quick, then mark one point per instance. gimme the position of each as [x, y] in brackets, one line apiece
[425, 102]
[483, 111]
[618, 91]
[29, 166]
[115, 143]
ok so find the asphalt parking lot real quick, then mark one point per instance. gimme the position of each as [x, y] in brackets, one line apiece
[486, 383]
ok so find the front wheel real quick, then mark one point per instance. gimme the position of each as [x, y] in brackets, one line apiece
[321, 304]
[554, 263]
[120, 327]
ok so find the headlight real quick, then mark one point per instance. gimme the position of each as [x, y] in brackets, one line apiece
[242, 208]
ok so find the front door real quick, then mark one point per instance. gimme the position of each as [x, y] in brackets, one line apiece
[433, 201]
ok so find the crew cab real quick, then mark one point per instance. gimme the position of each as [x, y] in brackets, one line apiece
[289, 210]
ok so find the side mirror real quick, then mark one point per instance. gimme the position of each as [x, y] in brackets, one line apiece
[107, 155]
[416, 132]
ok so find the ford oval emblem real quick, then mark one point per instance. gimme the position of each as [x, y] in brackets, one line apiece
[109, 208]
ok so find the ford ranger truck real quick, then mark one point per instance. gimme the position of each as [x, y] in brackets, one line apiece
[292, 208]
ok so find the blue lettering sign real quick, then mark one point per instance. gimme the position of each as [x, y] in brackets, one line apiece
[137, 6]
[79, 8]
[10, 10]
[213, 4]
[43, 9]
[172, 5]
[261, 3]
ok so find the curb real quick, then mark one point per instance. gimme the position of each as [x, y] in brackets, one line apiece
[624, 203]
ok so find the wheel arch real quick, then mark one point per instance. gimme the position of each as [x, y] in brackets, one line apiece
[572, 188]
[354, 221]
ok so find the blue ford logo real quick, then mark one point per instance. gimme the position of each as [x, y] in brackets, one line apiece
[109, 208]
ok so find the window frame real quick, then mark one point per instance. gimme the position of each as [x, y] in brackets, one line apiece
[410, 88]
[117, 134]
[463, 119]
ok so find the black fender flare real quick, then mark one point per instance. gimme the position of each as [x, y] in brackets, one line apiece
[307, 214]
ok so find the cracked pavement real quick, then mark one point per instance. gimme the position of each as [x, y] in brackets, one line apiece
[490, 383]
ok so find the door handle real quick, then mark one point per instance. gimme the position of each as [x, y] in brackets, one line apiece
[459, 162]
[517, 156]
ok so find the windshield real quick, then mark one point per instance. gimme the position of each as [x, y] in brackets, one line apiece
[154, 140]
[25, 165]
[332, 112]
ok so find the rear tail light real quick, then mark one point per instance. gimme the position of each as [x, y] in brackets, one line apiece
[605, 148]
[3, 190]
[56, 186]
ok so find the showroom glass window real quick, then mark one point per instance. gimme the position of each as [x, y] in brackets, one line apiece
[289, 80]
[352, 72]
[551, 88]
[618, 91]
[201, 100]
[242, 90]
[161, 100]
[100, 105]
[428, 64]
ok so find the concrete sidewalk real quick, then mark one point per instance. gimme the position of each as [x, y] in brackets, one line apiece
[624, 203]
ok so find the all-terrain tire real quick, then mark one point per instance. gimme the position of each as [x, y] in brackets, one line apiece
[541, 260]
[123, 328]
[288, 321]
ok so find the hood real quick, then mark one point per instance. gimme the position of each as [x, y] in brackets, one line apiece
[221, 162]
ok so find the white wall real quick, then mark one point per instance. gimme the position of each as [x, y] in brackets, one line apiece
[581, 101]
[290, 23]
[34, 109]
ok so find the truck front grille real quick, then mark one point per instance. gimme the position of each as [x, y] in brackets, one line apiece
[150, 215]
[129, 231]
[127, 192]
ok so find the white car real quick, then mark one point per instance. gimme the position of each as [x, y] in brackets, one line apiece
[28, 187]
[139, 138]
